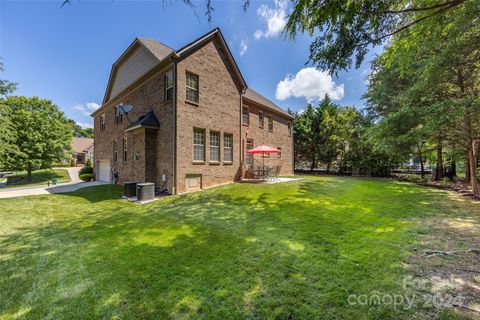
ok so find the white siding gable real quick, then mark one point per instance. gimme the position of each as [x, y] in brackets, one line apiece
[139, 62]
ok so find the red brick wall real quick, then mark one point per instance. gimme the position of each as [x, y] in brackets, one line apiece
[218, 110]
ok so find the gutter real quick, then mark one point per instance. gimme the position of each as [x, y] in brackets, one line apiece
[174, 57]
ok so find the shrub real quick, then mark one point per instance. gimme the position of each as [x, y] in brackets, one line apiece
[61, 165]
[85, 170]
[72, 162]
[89, 163]
[86, 177]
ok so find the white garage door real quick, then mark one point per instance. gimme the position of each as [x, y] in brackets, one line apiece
[104, 171]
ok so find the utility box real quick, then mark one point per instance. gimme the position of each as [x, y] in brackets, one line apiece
[130, 189]
[145, 191]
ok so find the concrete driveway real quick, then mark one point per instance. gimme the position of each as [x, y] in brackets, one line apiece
[74, 184]
[32, 191]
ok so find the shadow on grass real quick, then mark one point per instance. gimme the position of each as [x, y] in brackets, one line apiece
[280, 251]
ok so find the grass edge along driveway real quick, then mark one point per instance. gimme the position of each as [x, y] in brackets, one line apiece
[296, 250]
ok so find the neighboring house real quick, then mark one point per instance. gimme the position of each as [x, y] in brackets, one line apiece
[82, 150]
[193, 118]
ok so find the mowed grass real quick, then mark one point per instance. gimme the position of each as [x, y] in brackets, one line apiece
[287, 251]
[39, 177]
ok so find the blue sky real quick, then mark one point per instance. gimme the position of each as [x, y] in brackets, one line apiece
[65, 54]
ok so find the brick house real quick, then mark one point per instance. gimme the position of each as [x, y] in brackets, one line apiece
[193, 118]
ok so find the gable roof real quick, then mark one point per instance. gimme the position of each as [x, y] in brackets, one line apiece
[256, 97]
[161, 52]
[146, 121]
[199, 42]
[156, 49]
[80, 145]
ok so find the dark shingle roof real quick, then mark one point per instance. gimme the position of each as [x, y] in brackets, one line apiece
[254, 96]
[146, 121]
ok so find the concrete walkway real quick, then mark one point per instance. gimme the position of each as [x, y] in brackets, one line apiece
[73, 173]
[61, 188]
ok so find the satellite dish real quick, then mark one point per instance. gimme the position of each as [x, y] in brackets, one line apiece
[124, 108]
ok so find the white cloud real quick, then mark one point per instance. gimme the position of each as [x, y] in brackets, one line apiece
[275, 18]
[243, 46]
[310, 83]
[85, 125]
[86, 108]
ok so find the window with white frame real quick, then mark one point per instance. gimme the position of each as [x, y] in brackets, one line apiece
[227, 147]
[198, 145]
[168, 86]
[245, 115]
[102, 122]
[214, 146]
[289, 129]
[249, 156]
[260, 119]
[270, 123]
[192, 87]
[125, 147]
[118, 115]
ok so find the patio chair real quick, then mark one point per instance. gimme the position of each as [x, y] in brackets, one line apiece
[276, 173]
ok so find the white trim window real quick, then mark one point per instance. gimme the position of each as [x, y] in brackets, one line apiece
[168, 88]
[214, 146]
[227, 147]
[118, 115]
[245, 116]
[198, 145]
[192, 87]
[103, 123]
[261, 119]
[270, 123]
[125, 148]
[249, 156]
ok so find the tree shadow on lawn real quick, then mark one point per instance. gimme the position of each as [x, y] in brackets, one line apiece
[295, 251]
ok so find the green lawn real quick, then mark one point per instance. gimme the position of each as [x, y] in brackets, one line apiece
[39, 177]
[287, 251]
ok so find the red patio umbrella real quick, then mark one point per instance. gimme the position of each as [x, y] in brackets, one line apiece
[263, 149]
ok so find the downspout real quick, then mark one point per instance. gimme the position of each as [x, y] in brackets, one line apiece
[174, 59]
[241, 133]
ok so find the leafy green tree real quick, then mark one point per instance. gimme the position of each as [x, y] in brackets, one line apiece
[7, 135]
[343, 29]
[80, 132]
[42, 133]
[437, 87]
[6, 86]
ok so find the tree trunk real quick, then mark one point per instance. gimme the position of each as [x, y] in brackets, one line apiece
[29, 172]
[472, 159]
[313, 165]
[439, 169]
[420, 157]
[328, 167]
[453, 168]
[467, 169]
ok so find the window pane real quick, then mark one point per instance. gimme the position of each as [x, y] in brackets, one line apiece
[228, 147]
[270, 123]
[260, 119]
[169, 86]
[245, 115]
[198, 144]
[192, 87]
[214, 146]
